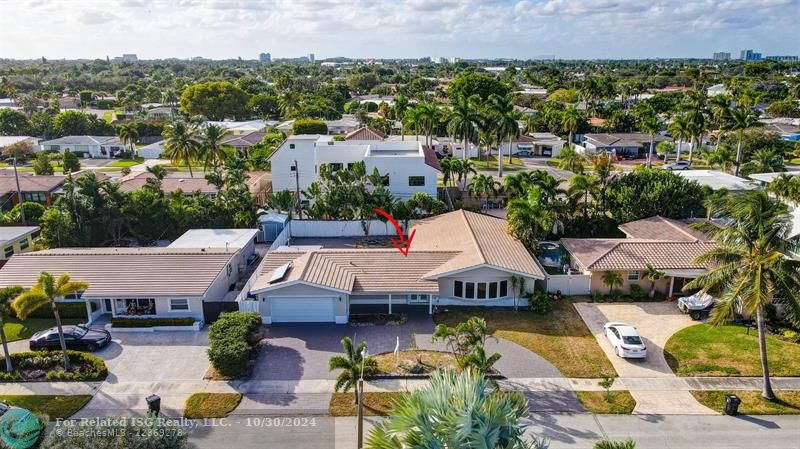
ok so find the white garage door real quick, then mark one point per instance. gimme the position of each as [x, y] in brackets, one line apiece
[303, 310]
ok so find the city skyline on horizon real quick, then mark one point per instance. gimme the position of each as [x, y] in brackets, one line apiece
[365, 29]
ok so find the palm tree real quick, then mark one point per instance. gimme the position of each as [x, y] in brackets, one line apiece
[505, 125]
[569, 159]
[611, 279]
[211, 147]
[455, 410]
[651, 125]
[46, 290]
[400, 108]
[158, 171]
[582, 186]
[181, 146]
[570, 122]
[427, 115]
[741, 119]
[483, 185]
[679, 129]
[463, 168]
[720, 113]
[529, 219]
[722, 157]
[652, 274]
[464, 119]
[479, 362]
[288, 102]
[129, 135]
[351, 364]
[752, 263]
[7, 295]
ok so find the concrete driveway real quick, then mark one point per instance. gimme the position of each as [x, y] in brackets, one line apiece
[150, 357]
[656, 323]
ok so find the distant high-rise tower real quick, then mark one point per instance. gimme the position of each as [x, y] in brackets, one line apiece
[265, 57]
[750, 55]
[311, 58]
[722, 56]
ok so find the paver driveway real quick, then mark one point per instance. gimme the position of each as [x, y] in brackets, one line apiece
[656, 322]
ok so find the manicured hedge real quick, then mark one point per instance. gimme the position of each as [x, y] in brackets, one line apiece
[76, 310]
[86, 367]
[231, 342]
[150, 322]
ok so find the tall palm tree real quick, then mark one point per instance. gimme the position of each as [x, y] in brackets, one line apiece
[570, 121]
[211, 148]
[652, 274]
[351, 364]
[46, 290]
[181, 145]
[7, 295]
[506, 125]
[720, 114]
[529, 219]
[464, 119]
[400, 107]
[752, 263]
[581, 187]
[651, 125]
[679, 129]
[569, 159]
[741, 119]
[463, 168]
[428, 115]
[483, 185]
[129, 135]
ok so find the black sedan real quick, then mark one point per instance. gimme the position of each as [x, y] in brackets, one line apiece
[76, 337]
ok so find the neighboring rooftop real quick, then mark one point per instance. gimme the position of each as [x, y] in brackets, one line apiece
[215, 238]
[84, 140]
[11, 140]
[717, 179]
[365, 133]
[14, 233]
[621, 139]
[136, 181]
[767, 178]
[660, 228]
[115, 272]
[247, 140]
[635, 254]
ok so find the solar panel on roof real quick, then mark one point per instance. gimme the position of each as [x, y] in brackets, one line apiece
[279, 273]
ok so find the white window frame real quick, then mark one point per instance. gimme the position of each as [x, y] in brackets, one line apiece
[633, 276]
[172, 307]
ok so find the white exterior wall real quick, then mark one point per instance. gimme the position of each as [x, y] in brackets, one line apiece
[323, 228]
[341, 300]
[162, 308]
[283, 178]
[399, 169]
[482, 274]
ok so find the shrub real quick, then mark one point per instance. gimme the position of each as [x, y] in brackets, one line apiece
[150, 322]
[539, 302]
[87, 367]
[637, 292]
[76, 310]
[231, 340]
[791, 335]
[309, 126]
[616, 295]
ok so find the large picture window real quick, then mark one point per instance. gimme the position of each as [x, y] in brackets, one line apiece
[480, 290]
[136, 306]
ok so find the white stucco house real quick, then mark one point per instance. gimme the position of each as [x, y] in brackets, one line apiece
[408, 166]
[203, 266]
[91, 146]
[535, 145]
[457, 259]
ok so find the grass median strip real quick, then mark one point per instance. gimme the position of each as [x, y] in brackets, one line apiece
[561, 336]
[54, 406]
[375, 403]
[211, 405]
[704, 350]
[786, 403]
[607, 403]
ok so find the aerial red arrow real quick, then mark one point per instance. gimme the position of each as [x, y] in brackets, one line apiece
[404, 245]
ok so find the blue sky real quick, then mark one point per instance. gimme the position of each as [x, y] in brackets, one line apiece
[396, 28]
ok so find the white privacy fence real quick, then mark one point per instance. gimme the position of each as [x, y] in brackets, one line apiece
[356, 228]
[570, 284]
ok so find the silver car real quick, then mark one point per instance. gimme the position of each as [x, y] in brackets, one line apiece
[626, 340]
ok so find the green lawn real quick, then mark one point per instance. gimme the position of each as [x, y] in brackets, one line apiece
[22, 330]
[54, 407]
[126, 162]
[786, 402]
[211, 405]
[704, 350]
[491, 163]
[611, 403]
[561, 337]
[375, 403]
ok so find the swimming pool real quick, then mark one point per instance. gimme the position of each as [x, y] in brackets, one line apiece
[551, 254]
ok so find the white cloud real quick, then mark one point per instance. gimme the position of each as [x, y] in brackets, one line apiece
[398, 28]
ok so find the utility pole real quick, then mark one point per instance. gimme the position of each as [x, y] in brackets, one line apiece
[297, 190]
[19, 194]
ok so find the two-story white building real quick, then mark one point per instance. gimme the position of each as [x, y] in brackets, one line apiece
[407, 166]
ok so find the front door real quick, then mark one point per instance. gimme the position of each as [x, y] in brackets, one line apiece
[107, 306]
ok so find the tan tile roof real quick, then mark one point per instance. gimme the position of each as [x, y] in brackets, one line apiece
[358, 270]
[635, 254]
[660, 228]
[136, 181]
[365, 133]
[120, 272]
[480, 240]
